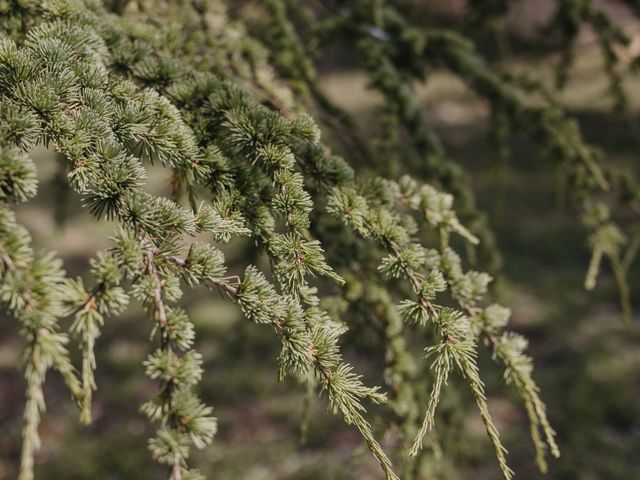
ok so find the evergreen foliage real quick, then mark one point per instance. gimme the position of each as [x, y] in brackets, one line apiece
[182, 85]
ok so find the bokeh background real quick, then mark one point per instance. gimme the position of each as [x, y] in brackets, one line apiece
[587, 359]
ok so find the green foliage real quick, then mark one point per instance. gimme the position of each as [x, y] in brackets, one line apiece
[224, 113]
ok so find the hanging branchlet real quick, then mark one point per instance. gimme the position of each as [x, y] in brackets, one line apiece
[402, 375]
[469, 289]
[89, 308]
[183, 417]
[566, 24]
[608, 242]
[488, 323]
[459, 332]
[509, 349]
[308, 344]
[31, 291]
[458, 346]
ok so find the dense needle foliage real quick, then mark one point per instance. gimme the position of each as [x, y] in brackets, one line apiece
[218, 93]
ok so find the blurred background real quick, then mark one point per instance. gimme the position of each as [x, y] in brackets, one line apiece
[587, 359]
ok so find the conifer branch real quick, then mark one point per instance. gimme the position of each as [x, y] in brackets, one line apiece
[344, 389]
[113, 100]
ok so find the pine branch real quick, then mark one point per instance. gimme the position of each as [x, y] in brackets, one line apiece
[114, 100]
[344, 389]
